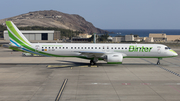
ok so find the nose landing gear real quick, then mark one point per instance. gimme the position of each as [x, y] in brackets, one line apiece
[158, 62]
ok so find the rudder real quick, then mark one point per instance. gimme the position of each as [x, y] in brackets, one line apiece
[15, 35]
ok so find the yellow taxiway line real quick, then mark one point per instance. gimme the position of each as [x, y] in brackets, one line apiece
[61, 66]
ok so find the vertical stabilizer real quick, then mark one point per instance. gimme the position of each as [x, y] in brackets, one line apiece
[15, 36]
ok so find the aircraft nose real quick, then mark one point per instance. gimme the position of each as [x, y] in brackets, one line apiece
[174, 53]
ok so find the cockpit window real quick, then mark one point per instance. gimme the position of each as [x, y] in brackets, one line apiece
[167, 48]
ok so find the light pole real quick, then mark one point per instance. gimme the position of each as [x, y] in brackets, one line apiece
[94, 37]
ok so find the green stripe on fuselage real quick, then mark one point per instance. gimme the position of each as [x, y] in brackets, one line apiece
[36, 51]
[172, 51]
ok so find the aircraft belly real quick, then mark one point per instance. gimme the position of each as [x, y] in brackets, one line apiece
[63, 53]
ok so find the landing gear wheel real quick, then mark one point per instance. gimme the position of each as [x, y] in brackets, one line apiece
[92, 62]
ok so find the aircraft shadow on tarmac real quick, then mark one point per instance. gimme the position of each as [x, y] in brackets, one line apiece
[70, 64]
[67, 64]
[80, 63]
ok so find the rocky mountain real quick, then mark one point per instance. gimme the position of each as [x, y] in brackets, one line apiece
[51, 18]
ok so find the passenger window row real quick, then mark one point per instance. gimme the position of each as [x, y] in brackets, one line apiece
[83, 48]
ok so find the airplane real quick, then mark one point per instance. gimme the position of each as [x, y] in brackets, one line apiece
[111, 53]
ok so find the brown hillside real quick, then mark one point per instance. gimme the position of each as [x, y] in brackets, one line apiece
[51, 18]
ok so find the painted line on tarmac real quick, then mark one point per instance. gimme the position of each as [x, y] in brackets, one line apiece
[54, 66]
[170, 71]
[174, 88]
[63, 66]
[61, 90]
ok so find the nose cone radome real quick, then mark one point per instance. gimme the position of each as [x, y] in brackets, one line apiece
[174, 53]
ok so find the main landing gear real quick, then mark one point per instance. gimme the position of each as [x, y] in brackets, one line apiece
[93, 61]
[158, 62]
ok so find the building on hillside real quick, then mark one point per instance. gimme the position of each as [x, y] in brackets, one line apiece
[158, 37]
[38, 35]
[123, 38]
[162, 37]
[173, 37]
[139, 39]
[118, 39]
[86, 35]
[148, 39]
[57, 35]
[129, 37]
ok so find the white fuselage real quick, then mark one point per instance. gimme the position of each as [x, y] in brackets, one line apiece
[127, 50]
[111, 53]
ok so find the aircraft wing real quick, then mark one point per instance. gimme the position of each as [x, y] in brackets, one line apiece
[92, 54]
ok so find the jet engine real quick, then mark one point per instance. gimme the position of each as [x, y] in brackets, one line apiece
[114, 58]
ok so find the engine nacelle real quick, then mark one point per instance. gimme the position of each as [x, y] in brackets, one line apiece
[114, 58]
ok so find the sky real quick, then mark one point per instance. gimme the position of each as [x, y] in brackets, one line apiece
[106, 14]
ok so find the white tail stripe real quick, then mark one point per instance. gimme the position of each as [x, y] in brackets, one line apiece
[20, 33]
[16, 37]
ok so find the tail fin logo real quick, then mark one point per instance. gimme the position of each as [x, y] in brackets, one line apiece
[15, 35]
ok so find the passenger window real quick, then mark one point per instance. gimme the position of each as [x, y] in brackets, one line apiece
[74, 47]
[85, 47]
[42, 47]
[118, 47]
[111, 47]
[71, 47]
[59, 47]
[91, 47]
[115, 47]
[46, 47]
[66, 47]
[63, 47]
[95, 47]
[52, 47]
[56, 47]
[88, 47]
[81, 47]
[126, 48]
[122, 47]
[49, 47]
[99, 47]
